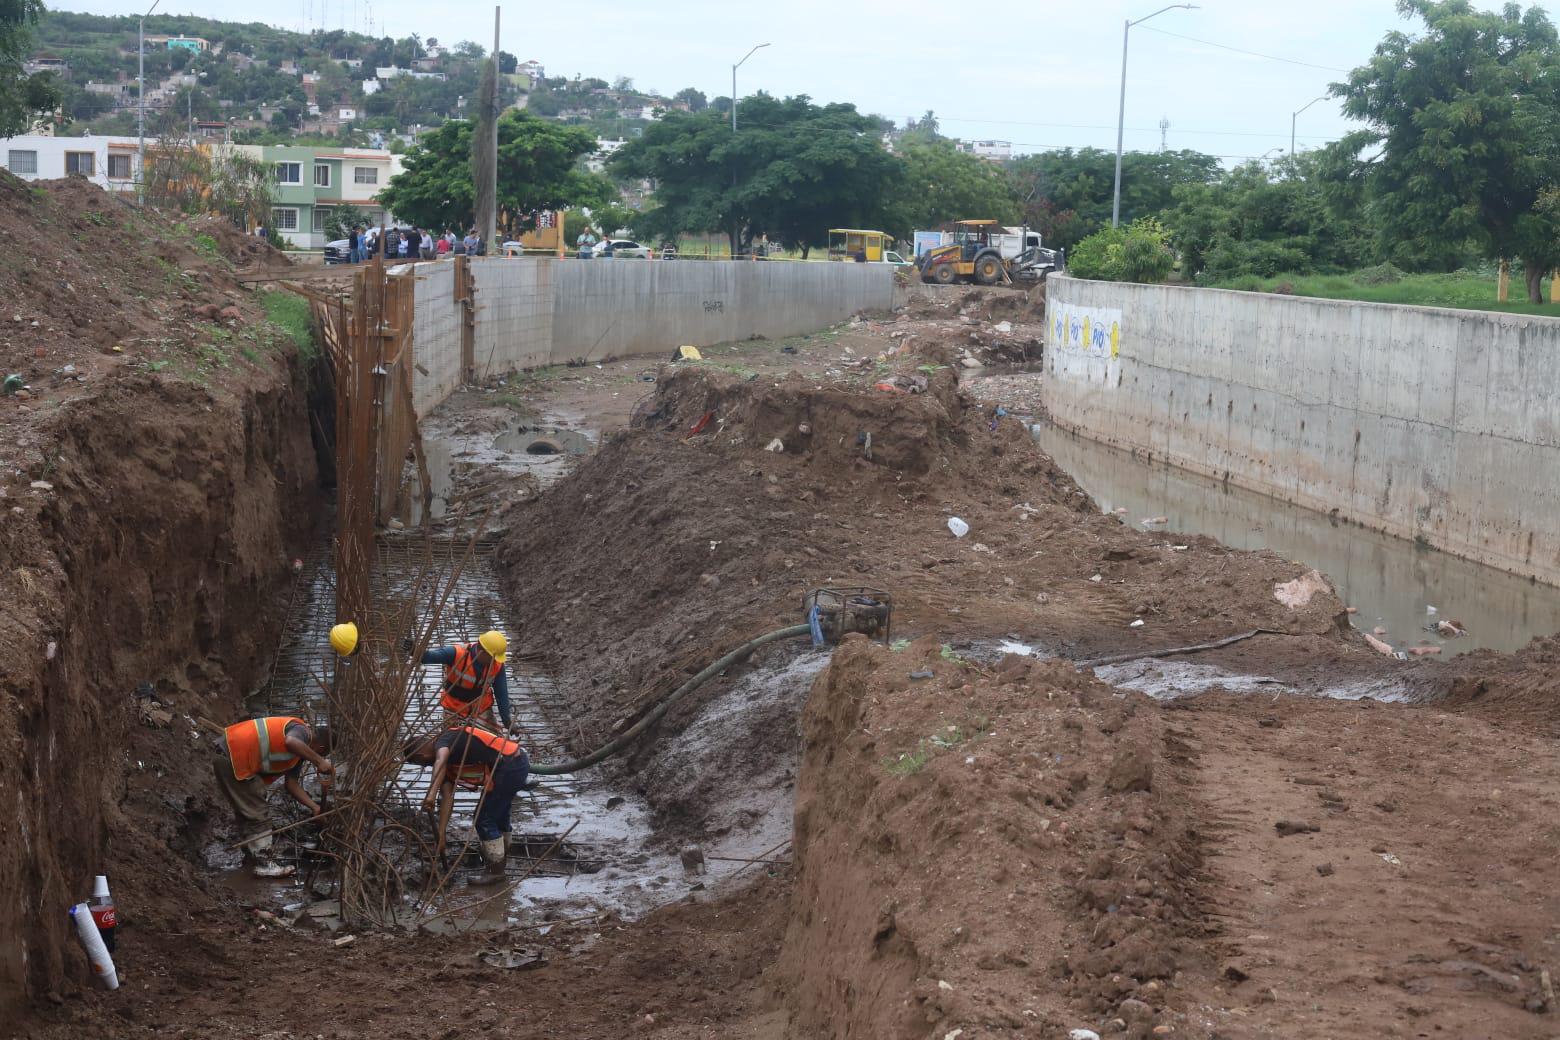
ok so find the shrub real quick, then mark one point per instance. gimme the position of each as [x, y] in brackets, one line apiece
[1139, 252]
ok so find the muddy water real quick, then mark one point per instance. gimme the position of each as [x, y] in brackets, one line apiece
[1393, 583]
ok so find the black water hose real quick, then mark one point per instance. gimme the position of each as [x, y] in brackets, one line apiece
[651, 717]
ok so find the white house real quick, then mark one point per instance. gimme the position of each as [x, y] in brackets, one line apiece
[370, 86]
[108, 162]
[991, 151]
[346, 115]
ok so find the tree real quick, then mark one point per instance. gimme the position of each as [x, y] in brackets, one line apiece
[537, 162]
[1074, 188]
[22, 97]
[507, 63]
[792, 171]
[1264, 220]
[623, 84]
[694, 99]
[1462, 136]
[943, 184]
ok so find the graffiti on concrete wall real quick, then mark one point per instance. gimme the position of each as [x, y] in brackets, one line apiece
[1094, 331]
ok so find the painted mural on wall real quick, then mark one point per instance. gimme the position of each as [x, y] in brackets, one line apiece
[1093, 331]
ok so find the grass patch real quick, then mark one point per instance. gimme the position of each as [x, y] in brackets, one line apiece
[289, 312]
[207, 246]
[909, 763]
[1459, 290]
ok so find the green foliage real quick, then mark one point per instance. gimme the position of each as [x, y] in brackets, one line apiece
[22, 97]
[1070, 191]
[909, 763]
[289, 312]
[1138, 252]
[942, 184]
[1463, 290]
[1462, 136]
[537, 170]
[1262, 219]
[792, 171]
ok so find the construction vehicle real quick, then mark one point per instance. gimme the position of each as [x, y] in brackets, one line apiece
[985, 252]
[847, 243]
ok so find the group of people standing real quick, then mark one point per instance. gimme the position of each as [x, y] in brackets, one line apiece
[411, 244]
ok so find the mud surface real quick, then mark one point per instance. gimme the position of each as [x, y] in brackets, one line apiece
[984, 843]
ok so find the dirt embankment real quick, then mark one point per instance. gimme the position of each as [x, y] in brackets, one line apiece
[149, 511]
[989, 850]
[669, 547]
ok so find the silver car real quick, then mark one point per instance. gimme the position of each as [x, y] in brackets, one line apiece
[621, 248]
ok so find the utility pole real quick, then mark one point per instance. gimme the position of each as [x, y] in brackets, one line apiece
[490, 221]
[140, 97]
[734, 69]
[1121, 111]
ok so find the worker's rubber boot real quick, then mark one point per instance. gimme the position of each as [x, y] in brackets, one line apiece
[493, 860]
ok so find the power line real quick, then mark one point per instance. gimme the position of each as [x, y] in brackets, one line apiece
[1237, 50]
[1094, 126]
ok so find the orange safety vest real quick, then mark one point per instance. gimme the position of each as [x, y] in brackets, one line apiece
[474, 776]
[466, 693]
[258, 747]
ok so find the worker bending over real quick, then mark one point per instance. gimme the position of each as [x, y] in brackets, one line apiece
[475, 760]
[474, 678]
[254, 753]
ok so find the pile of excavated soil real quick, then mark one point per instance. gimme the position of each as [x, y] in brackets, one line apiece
[1521, 690]
[668, 547]
[993, 851]
[153, 496]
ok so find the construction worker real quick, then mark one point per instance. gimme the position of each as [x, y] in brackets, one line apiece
[473, 759]
[474, 679]
[254, 753]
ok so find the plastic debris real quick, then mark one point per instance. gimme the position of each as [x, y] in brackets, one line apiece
[958, 527]
[1136, 624]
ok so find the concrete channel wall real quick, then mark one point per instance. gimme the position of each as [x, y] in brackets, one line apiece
[541, 311]
[1429, 424]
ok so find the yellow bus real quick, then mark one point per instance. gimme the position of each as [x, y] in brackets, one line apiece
[846, 243]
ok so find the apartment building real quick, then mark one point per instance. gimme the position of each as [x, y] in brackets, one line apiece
[108, 162]
[314, 183]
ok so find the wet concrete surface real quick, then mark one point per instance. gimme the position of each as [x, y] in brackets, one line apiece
[1393, 583]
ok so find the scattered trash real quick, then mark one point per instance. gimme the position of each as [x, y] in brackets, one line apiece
[1083, 1034]
[704, 420]
[958, 527]
[50, 650]
[517, 959]
[97, 951]
[1003, 326]
[345, 940]
[1285, 828]
[68, 370]
[1097, 579]
[41, 485]
[1154, 521]
[692, 859]
[1387, 857]
[1378, 646]
[1423, 651]
[788, 350]
[688, 354]
[13, 383]
[1431, 610]
[945, 986]
[1449, 629]
[1136, 624]
[925, 673]
[803, 429]
[777, 446]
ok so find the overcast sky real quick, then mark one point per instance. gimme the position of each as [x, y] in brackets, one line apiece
[1041, 73]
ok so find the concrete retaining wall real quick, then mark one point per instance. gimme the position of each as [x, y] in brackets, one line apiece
[1432, 424]
[435, 335]
[541, 311]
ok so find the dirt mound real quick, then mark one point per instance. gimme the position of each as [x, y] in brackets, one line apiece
[1520, 690]
[984, 850]
[244, 252]
[669, 547]
[152, 495]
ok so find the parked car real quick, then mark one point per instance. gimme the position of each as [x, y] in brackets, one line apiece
[621, 248]
[337, 252]
[891, 257]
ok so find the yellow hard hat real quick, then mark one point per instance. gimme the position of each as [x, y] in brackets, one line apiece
[495, 644]
[344, 638]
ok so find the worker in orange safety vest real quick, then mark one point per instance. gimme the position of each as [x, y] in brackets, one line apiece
[474, 680]
[470, 757]
[253, 755]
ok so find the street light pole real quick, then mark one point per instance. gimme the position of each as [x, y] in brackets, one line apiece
[1293, 116]
[1121, 111]
[140, 96]
[734, 69]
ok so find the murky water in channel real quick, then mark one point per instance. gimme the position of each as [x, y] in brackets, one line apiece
[1392, 582]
